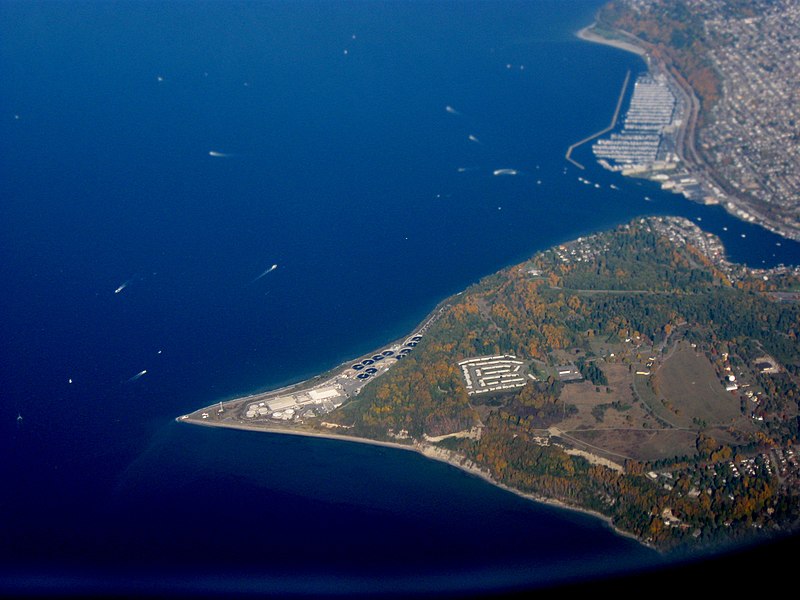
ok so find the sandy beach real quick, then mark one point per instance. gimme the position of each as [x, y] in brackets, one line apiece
[588, 34]
[428, 451]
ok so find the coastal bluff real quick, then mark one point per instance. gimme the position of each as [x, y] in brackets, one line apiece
[635, 374]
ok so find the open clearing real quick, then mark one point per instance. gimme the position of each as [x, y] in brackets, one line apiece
[584, 396]
[640, 444]
[692, 390]
[628, 433]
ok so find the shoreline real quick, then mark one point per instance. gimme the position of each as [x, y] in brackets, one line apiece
[430, 452]
[588, 35]
[320, 378]
[740, 209]
[424, 449]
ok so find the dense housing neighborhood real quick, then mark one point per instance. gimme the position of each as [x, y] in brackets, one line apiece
[733, 68]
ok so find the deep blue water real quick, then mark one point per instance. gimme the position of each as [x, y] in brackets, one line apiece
[343, 169]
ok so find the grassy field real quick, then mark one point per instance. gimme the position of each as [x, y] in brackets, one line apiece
[628, 432]
[641, 444]
[584, 396]
[692, 390]
[640, 423]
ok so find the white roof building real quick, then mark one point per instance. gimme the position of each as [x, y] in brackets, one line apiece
[281, 403]
[324, 394]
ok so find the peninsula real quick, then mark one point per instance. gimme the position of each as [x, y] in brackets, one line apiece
[731, 69]
[635, 374]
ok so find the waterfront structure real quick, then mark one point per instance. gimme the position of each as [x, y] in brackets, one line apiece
[738, 62]
[642, 142]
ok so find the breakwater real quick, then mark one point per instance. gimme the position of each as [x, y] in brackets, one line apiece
[611, 125]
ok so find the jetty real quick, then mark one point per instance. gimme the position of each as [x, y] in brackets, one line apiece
[611, 126]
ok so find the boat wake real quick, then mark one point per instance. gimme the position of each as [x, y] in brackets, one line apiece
[268, 271]
[137, 376]
[124, 285]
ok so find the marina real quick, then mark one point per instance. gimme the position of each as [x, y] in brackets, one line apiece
[643, 141]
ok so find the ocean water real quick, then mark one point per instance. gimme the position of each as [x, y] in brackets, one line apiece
[340, 164]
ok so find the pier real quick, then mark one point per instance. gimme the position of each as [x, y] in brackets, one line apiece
[611, 126]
